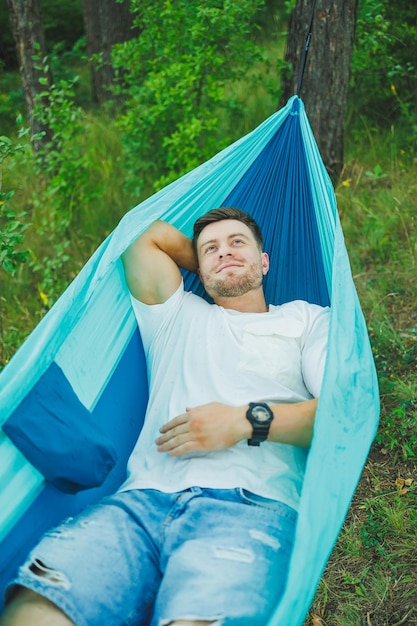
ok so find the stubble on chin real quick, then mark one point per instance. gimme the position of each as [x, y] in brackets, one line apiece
[231, 286]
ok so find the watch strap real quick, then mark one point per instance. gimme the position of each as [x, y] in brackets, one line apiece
[260, 430]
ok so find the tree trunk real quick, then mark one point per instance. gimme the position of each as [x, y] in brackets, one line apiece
[325, 84]
[107, 22]
[27, 27]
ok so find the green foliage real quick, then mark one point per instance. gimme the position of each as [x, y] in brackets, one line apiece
[11, 101]
[64, 62]
[12, 224]
[176, 75]
[63, 22]
[384, 72]
[60, 160]
[12, 229]
[67, 181]
[399, 435]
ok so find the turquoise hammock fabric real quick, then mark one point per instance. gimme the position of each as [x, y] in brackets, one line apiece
[84, 364]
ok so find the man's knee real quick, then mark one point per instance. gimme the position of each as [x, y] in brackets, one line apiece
[27, 607]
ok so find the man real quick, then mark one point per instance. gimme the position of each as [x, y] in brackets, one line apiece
[201, 531]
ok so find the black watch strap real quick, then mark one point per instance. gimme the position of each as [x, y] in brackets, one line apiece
[260, 425]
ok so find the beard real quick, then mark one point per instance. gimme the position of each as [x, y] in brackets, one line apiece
[234, 286]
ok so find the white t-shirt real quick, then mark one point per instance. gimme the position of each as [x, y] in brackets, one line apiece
[197, 353]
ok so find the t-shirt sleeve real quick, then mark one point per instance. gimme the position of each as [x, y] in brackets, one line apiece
[151, 317]
[315, 348]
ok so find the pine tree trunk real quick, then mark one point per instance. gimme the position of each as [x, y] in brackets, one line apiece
[325, 84]
[27, 27]
[107, 22]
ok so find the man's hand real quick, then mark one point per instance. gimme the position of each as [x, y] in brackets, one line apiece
[217, 426]
[205, 428]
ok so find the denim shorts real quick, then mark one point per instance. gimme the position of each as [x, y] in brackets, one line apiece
[144, 557]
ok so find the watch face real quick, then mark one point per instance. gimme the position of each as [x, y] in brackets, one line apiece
[260, 413]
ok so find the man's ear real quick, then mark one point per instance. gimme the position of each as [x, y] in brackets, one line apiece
[265, 263]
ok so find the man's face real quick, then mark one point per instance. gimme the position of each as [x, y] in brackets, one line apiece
[230, 262]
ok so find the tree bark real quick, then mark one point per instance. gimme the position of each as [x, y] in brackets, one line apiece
[27, 27]
[325, 84]
[107, 22]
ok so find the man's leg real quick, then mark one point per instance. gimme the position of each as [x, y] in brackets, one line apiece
[230, 550]
[28, 607]
[98, 568]
[188, 623]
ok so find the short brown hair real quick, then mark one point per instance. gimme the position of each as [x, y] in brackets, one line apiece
[227, 213]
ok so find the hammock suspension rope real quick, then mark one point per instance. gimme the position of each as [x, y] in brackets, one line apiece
[307, 42]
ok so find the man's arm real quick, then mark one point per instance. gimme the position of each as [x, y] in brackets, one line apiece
[216, 426]
[152, 262]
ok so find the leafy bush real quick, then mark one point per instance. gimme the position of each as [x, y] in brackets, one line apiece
[384, 73]
[66, 182]
[12, 224]
[176, 75]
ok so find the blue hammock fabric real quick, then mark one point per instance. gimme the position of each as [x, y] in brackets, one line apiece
[87, 351]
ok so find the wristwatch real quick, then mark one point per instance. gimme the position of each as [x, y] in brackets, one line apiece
[260, 416]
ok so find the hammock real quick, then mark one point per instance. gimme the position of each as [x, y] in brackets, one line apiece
[83, 367]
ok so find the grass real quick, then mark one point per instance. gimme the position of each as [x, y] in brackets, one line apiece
[371, 578]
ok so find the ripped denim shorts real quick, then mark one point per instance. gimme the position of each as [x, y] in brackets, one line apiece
[144, 557]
